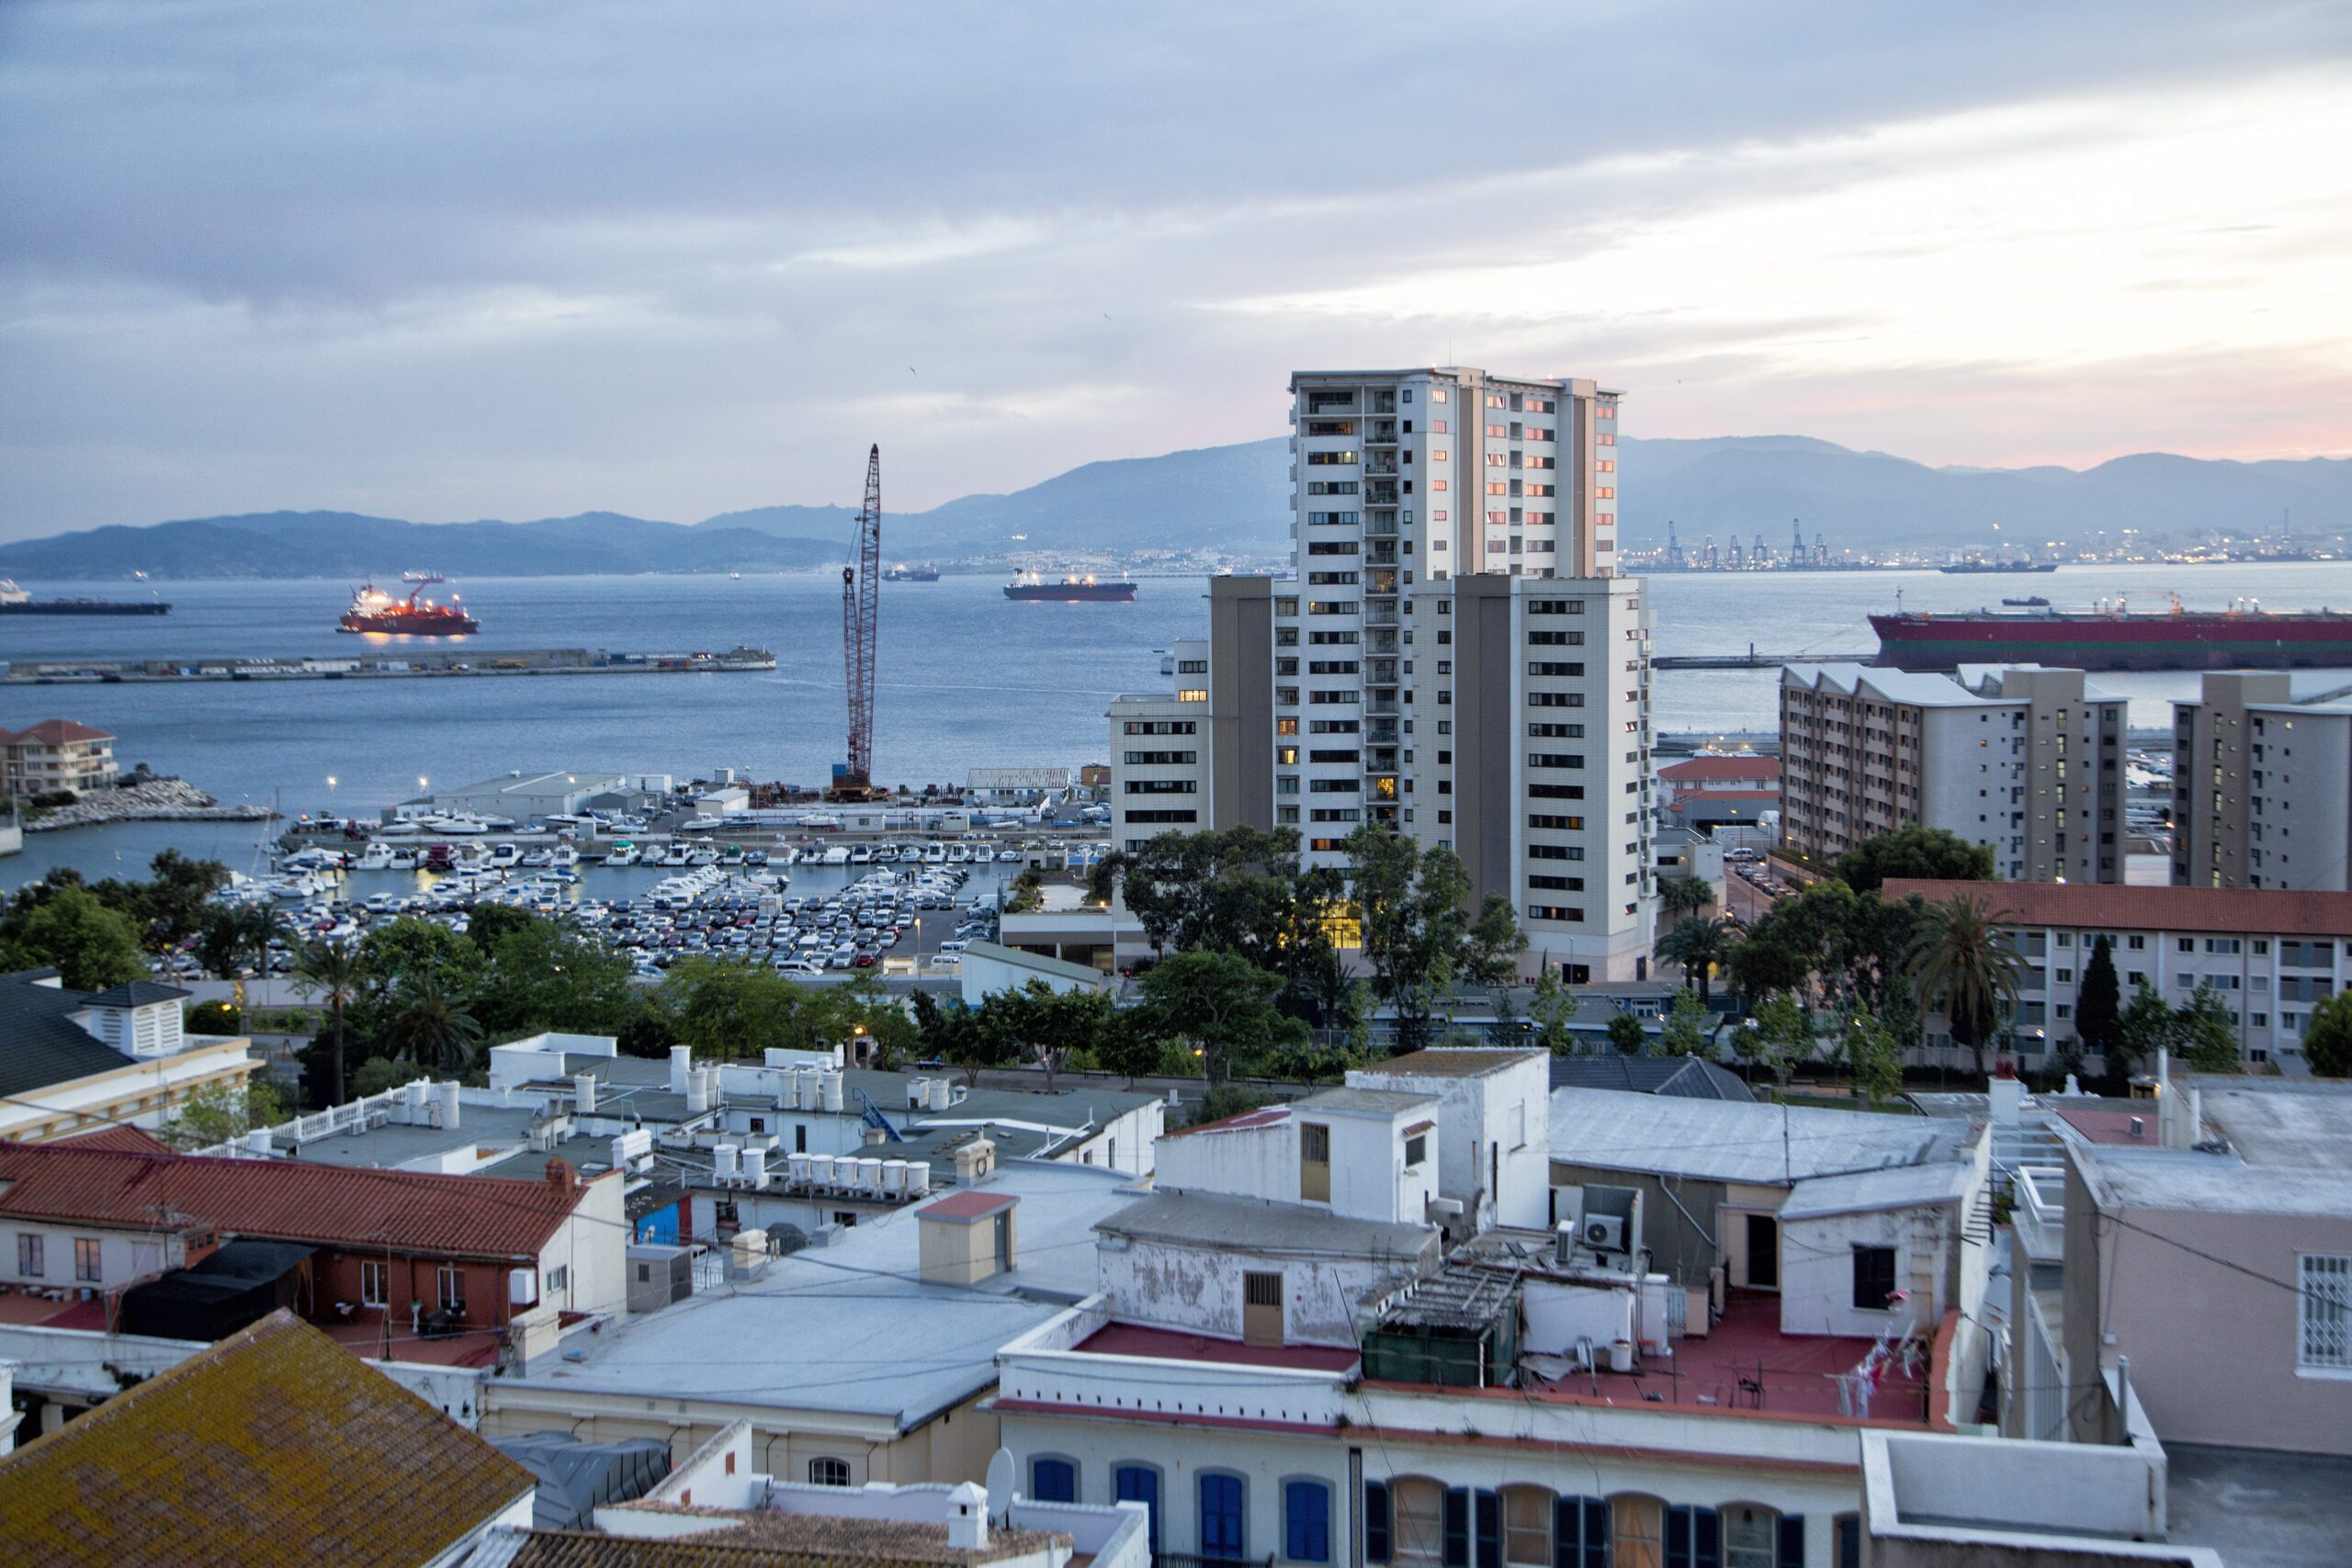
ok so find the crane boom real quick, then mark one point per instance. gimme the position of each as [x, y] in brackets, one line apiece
[860, 616]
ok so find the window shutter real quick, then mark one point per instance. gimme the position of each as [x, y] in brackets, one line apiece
[1375, 1521]
[1457, 1526]
[1791, 1541]
[1490, 1530]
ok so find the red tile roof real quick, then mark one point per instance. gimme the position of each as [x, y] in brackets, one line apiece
[1697, 768]
[2105, 906]
[461, 1216]
[968, 1205]
[123, 1138]
[56, 732]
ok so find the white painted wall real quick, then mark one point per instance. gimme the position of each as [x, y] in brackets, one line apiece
[1199, 1289]
[1369, 1176]
[591, 1247]
[1493, 1128]
[1818, 1271]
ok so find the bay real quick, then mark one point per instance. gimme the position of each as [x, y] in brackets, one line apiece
[967, 678]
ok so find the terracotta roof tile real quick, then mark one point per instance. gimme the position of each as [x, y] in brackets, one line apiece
[968, 1205]
[2261, 911]
[121, 1137]
[1695, 768]
[271, 1447]
[56, 732]
[469, 1216]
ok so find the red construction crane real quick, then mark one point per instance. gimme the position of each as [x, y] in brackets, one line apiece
[861, 612]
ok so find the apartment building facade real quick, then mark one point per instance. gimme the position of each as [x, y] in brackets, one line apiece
[2025, 761]
[1197, 756]
[2270, 954]
[2262, 783]
[55, 754]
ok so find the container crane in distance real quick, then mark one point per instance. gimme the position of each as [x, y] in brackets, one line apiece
[861, 612]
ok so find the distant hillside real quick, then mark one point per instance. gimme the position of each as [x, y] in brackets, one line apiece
[1236, 499]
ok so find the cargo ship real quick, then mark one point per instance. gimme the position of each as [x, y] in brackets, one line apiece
[2113, 637]
[373, 610]
[14, 601]
[911, 574]
[1069, 590]
[1973, 568]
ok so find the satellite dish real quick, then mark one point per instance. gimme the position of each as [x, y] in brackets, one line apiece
[1001, 1483]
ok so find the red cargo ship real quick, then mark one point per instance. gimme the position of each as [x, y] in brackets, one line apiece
[2112, 637]
[373, 610]
[1069, 590]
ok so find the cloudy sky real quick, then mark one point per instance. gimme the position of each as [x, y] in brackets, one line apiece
[445, 261]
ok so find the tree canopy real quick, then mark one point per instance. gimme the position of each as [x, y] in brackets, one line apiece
[1933, 853]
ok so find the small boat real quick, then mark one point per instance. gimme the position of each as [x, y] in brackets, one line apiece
[402, 860]
[703, 854]
[375, 857]
[622, 854]
[2031, 601]
[504, 855]
[862, 854]
[564, 857]
[537, 860]
[836, 855]
[935, 855]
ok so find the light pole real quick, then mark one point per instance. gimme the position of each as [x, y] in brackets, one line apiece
[331, 810]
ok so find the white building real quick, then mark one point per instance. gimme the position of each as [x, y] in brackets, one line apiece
[2262, 782]
[1491, 1116]
[525, 797]
[2025, 761]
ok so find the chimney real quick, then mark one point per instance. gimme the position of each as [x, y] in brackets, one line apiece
[974, 1161]
[583, 1092]
[968, 1518]
[918, 1093]
[257, 1143]
[681, 1062]
[449, 1106]
[829, 1086]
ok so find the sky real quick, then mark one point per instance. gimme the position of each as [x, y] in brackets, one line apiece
[520, 260]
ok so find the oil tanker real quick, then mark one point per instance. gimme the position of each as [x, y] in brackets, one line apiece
[2111, 636]
[373, 610]
[1069, 590]
[14, 601]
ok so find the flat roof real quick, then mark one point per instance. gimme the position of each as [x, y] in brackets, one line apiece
[851, 1328]
[2114, 906]
[1716, 1140]
[1912, 1186]
[1388, 1102]
[2289, 1152]
[1179, 1345]
[1448, 1062]
[1189, 1219]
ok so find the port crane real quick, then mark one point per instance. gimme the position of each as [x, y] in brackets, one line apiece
[861, 612]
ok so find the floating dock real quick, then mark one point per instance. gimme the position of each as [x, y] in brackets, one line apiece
[420, 664]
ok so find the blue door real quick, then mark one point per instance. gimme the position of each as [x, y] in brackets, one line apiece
[1221, 1515]
[1139, 1483]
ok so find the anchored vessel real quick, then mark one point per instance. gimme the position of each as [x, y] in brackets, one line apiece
[14, 601]
[1071, 590]
[1972, 568]
[2111, 636]
[911, 574]
[373, 610]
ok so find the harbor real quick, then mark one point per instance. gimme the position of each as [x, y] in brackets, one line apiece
[403, 664]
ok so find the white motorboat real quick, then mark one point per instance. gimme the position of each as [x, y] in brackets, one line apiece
[836, 855]
[623, 853]
[564, 857]
[377, 856]
[402, 860]
[862, 854]
[535, 860]
[504, 855]
[935, 855]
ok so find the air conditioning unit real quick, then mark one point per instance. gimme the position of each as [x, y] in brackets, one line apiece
[1603, 1233]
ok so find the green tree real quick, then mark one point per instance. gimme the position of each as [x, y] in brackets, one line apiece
[429, 1025]
[1409, 906]
[93, 948]
[726, 1009]
[1552, 1007]
[953, 1033]
[2207, 1034]
[1133, 1046]
[1699, 943]
[218, 1019]
[2328, 1037]
[1688, 1028]
[1491, 946]
[334, 973]
[2098, 1004]
[1222, 1006]
[1870, 1051]
[2144, 1028]
[488, 924]
[1777, 1034]
[220, 1112]
[407, 950]
[1963, 967]
[377, 1074]
[1931, 854]
[1681, 895]
[233, 937]
[1627, 1034]
[540, 976]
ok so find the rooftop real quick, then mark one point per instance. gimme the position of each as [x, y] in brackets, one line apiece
[1709, 1140]
[73, 1183]
[1178, 1345]
[1190, 1220]
[1448, 1062]
[40, 1042]
[851, 1328]
[269, 1448]
[56, 732]
[1687, 1078]
[138, 994]
[1691, 770]
[2114, 906]
[1388, 1102]
[2289, 1152]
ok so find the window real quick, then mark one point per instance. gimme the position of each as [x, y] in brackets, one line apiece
[829, 1472]
[1221, 1521]
[2325, 1293]
[1053, 1481]
[374, 1286]
[558, 1277]
[1760, 1537]
[1527, 1527]
[1634, 1532]
[1417, 1149]
[31, 1255]
[1139, 1483]
[1261, 1309]
[1419, 1535]
[1580, 1533]
[1849, 1542]
[452, 1288]
[1306, 1521]
[88, 1263]
[1693, 1537]
[1375, 1521]
[1874, 1278]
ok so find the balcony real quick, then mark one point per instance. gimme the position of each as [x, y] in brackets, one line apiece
[1385, 617]
[1381, 581]
[1381, 672]
[1382, 707]
[1383, 433]
[1377, 494]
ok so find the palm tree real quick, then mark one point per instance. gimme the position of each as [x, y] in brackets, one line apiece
[1698, 943]
[1962, 966]
[431, 1027]
[334, 972]
[1685, 894]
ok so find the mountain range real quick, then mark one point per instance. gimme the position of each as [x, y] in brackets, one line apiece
[1235, 500]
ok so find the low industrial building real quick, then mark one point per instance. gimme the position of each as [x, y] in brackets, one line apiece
[523, 796]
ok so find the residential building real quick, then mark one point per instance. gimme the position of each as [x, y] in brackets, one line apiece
[2262, 782]
[1715, 788]
[395, 1264]
[1197, 757]
[73, 1062]
[717, 1506]
[272, 1446]
[56, 755]
[1306, 1347]
[2025, 761]
[1491, 1118]
[2270, 955]
[866, 1359]
[1680, 851]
